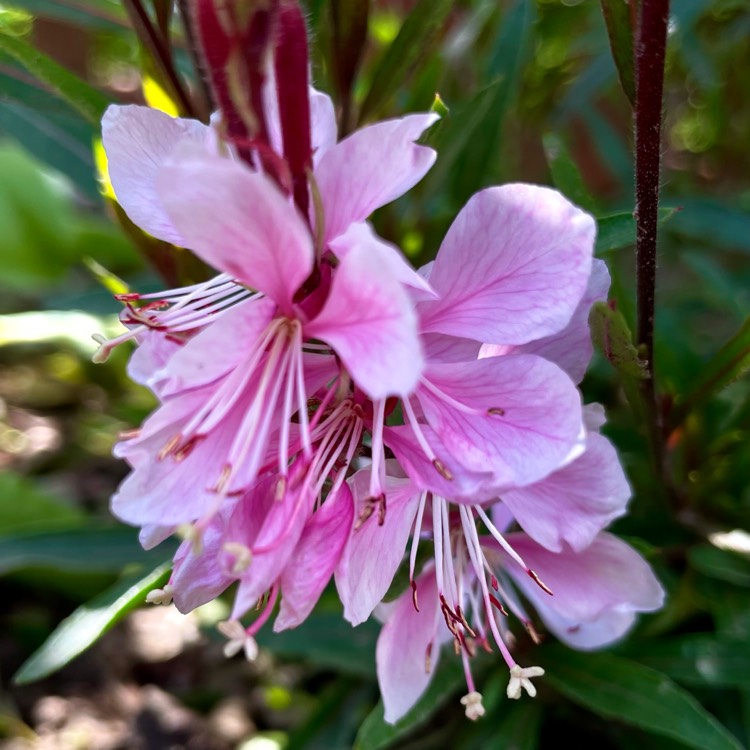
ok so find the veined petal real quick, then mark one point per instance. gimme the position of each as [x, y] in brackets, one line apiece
[374, 551]
[239, 222]
[452, 480]
[408, 648]
[370, 322]
[597, 591]
[138, 141]
[217, 349]
[573, 504]
[361, 237]
[571, 349]
[273, 546]
[314, 559]
[322, 124]
[370, 168]
[512, 268]
[199, 578]
[526, 415]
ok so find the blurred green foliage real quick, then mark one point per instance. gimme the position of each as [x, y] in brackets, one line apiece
[533, 94]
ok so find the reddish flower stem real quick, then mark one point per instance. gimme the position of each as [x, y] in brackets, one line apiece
[649, 73]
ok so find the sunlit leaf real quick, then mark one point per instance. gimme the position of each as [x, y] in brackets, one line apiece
[90, 102]
[88, 623]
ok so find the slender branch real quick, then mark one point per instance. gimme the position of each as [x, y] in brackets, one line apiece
[650, 52]
[157, 46]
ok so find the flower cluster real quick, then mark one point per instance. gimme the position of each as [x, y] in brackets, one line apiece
[325, 411]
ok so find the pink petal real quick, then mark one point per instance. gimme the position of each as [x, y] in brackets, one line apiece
[314, 559]
[422, 472]
[273, 546]
[370, 168]
[369, 320]
[571, 349]
[526, 422]
[403, 645]
[239, 222]
[362, 237]
[138, 141]
[572, 505]
[150, 536]
[440, 348]
[322, 124]
[152, 353]
[217, 349]
[198, 579]
[512, 268]
[596, 591]
[374, 552]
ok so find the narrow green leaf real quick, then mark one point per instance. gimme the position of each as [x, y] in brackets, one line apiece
[90, 102]
[617, 688]
[519, 727]
[419, 31]
[94, 550]
[25, 506]
[349, 19]
[722, 564]
[565, 174]
[613, 338]
[512, 49]
[89, 623]
[617, 231]
[730, 363]
[698, 660]
[617, 15]
[375, 734]
[713, 222]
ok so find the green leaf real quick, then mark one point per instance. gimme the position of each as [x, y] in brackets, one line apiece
[419, 31]
[90, 550]
[93, 14]
[617, 231]
[565, 174]
[327, 640]
[730, 363]
[617, 688]
[613, 338]
[620, 30]
[722, 564]
[90, 102]
[24, 505]
[89, 623]
[713, 222]
[512, 49]
[375, 734]
[698, 660]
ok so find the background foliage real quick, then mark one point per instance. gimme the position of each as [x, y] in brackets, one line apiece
[533, 95]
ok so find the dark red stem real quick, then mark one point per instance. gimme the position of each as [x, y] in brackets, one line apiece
[649, 71]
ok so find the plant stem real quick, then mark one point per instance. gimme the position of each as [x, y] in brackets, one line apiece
[649, 72]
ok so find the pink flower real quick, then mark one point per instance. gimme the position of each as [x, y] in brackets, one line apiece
[232, 367]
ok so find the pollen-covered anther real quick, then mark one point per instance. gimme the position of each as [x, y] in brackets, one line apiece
[442, 469]
[242, 554]
[520, 680]
[531, 630]
[496, 411]
[239, 640]
[414, 599]
[473, 704]
[539, 582]
[169, 447]
[280, 489]
[188, 532]
[160, 596]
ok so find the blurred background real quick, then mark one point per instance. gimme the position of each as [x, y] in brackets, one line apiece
[533, 95]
